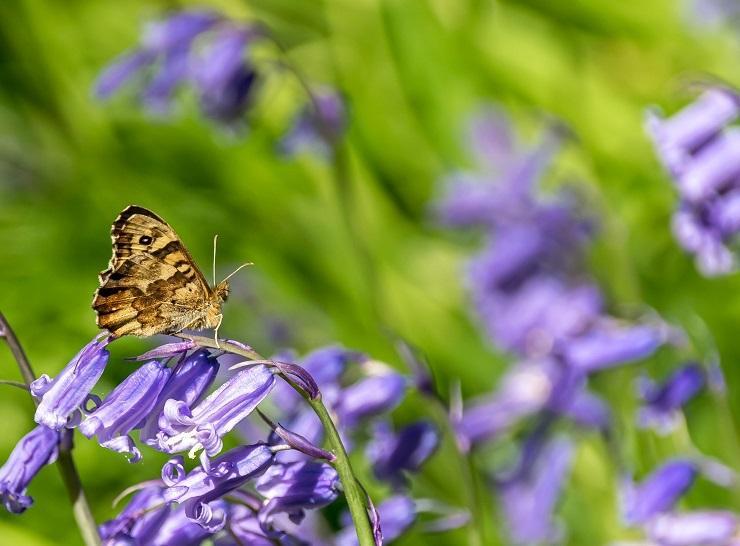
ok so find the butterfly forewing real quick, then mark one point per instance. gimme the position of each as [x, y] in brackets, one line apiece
[152, 285]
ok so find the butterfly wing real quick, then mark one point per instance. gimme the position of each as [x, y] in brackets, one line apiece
[152, 285]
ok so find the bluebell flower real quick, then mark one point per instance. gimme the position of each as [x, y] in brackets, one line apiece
[294, 487]
[528, 502]
[196, 489]
[704, 528]
[126, 408]
[244, 528]
[189, 381]
[33, 451]
[203, 426]
[662, 403]
[149, 520]
[61, 397]
[318, 125]
[220, 71]
[393, 455]
[611, 345]
[223, 76]
[700, 149]
[368, 397]
[680, 137]
[397, 514]
[659, 492]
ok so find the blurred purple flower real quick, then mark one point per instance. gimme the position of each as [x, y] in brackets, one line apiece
[61, 397]
[529, 501]
[371, 396]
[393, 455]
[203, 427]
[608, 346]
[659, 492]
[126, 408]
[224, 78]
[291, 488]
[202, 485]
[678, 138]
[189, 381]
[523, 391]
[661, 403]
[701, 153]
[700, 528]
[317, 126]
[33, 451]
[168, 57]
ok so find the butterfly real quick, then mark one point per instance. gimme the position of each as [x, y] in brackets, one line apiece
[152, 285]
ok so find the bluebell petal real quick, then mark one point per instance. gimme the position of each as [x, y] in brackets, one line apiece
[659, 492]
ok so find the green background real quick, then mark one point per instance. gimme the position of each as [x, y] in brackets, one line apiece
[349, 263]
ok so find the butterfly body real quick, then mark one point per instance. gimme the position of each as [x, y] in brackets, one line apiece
[152, 285]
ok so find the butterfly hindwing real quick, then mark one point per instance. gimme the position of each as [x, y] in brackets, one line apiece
[152, 284]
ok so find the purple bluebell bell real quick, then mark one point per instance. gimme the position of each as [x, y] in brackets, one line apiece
[196, 489]
[662, 403]
[317, 126]
[678, 138]
[699, 528]
[393, 455]
[529, 501]
[148, 519]
[610, 345]
[244, 528]
[397, 514]
[189, 381]
[33, 451]
[126, 408]
[166, 42]
[700, 150]
[225, 80]
[61, 397]
[294, 487]
[369, 397]
[523, 391]
[168, 57]
[659, 492]
[202, 427]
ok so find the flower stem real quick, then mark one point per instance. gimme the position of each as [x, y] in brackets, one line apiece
[353, 490]
[71, 478]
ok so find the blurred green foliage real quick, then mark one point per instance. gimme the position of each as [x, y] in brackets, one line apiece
[413, 71]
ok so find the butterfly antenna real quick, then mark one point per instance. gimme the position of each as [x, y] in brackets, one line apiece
[237, 270]
[215, 241]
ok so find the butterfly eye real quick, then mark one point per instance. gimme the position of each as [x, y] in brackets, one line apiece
[145, 240]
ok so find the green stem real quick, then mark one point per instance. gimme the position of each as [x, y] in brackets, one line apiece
[353, 490]
[71, 478]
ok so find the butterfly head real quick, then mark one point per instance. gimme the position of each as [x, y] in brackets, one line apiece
[221, 292]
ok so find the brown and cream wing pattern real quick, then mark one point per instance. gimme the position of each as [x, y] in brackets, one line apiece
[152, 284]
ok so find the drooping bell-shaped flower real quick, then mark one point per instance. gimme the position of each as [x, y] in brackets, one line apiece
[126, 408]
[294, 487]
[189, 381]
[704, 528]
[394, 455]
[33, 451]
[61, 397]
[662, 403]
[202, 485]
[183, 429]
[317, 126]
[659, 492]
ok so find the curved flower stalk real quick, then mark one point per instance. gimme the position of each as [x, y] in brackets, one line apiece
[698, 146]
